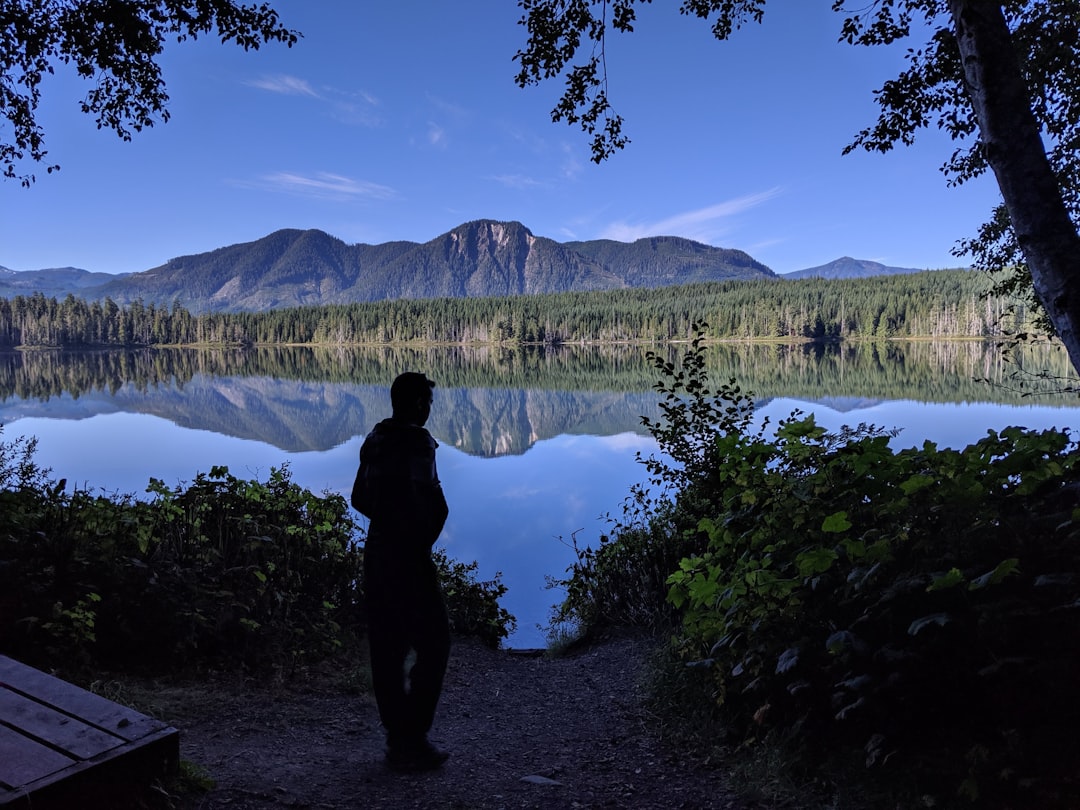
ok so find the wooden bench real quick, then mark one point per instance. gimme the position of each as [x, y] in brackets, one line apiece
[64, 747]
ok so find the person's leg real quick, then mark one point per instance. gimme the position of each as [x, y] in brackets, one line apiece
[431, 640]
[389, 646]
[388, 637]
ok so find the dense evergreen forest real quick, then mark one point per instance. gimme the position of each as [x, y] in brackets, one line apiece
[941, 304]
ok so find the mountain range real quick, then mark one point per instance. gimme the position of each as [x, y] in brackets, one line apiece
[483, 258]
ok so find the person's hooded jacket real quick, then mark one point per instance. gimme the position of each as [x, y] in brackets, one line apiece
[397, 486]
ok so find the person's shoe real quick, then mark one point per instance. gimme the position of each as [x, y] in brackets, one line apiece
[421, 756]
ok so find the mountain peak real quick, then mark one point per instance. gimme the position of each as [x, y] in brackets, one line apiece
[847, 267]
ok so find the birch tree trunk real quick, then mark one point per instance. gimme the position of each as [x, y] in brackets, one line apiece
[1015, 152]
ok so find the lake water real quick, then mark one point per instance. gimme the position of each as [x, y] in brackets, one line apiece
[536, 446]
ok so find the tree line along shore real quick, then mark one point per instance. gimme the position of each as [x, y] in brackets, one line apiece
[946, 304]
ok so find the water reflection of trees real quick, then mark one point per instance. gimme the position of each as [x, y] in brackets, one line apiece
[492, 401]
[928, 371]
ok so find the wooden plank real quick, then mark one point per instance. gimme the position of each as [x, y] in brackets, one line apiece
[23, 761]
[113, 780]
[68, 734]
[62, 747]
[93, 709]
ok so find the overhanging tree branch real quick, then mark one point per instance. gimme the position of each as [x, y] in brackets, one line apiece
[115, 44]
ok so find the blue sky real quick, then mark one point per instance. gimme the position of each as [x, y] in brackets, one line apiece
[399, 121]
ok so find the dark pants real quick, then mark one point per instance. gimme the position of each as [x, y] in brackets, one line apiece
[406, 612]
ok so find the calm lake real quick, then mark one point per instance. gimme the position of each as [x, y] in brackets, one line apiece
[537, 445]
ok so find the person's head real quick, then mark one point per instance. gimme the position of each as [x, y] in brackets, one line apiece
[410, 397]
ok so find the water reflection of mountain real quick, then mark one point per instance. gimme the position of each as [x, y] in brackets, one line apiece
[298, 416]
[491, 401]
[491, 422]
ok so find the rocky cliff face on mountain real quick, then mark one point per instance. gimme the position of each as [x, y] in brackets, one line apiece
[476, 259]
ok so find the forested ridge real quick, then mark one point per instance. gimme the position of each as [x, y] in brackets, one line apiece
[939, 304]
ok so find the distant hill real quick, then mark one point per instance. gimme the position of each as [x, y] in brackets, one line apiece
[847, 267]
[55, 282]
[477, 259]
[661, 261]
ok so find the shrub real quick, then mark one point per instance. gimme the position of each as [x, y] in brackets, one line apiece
[917, 605]
[473, 604]
[916, 609]
[623, 580]
[222, 572]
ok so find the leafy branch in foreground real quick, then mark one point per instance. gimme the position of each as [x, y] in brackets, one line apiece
[114, 45]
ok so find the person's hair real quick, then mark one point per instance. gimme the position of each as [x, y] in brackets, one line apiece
[407, 388]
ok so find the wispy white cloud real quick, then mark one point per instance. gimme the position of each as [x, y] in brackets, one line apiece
[436, 135]
[324, 185]
[354, 106]
[703, 224]
[356, 114]
[347, 106]
[368, 98]
[285, 85]
[764, 244]
[519, 181]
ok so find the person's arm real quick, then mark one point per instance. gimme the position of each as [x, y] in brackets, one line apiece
[427, 490]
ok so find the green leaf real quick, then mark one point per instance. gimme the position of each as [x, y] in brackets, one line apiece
[703, 590]
[854, 548]
[947, 580]
[836, 523]
[677, 598]
[916, 483]
[814, 562]
[998, 575]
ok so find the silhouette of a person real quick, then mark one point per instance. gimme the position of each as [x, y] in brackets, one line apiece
[398, 488]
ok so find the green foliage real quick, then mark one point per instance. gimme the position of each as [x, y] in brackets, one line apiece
[941, 304]
[914, 608]
[623, 581]
[619, 582]
[275, 567]
[221, 572]
[474, 604]
[910, 603]
[224, 571]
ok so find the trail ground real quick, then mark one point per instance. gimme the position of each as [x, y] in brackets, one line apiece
[524, 731]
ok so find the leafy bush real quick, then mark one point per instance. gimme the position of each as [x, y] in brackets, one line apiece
[920, 605]
[224, 571]
[473, 604]
[262, 573]
[918, 609]
[623, 580]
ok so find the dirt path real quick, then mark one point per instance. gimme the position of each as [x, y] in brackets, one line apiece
[524, 732]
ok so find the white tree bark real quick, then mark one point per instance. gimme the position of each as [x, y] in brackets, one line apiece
[1015, 152]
